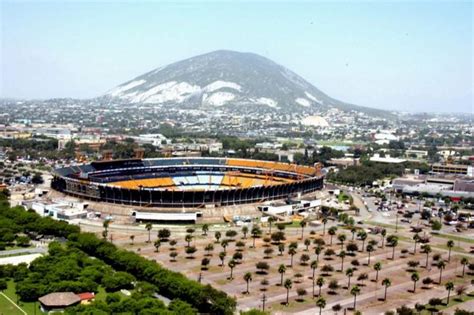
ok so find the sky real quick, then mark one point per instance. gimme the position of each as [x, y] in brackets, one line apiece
[408, 56]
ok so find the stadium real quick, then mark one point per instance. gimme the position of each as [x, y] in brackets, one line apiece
[186, 182]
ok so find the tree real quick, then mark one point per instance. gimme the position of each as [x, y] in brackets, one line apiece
[248, 278]
[222, 257]
[314, 265]
[449, 286]
[205, 229]
[415, 277]
[164, 234]
[231, 265]
[318, 251]
[245, 230]
[292, 252]
[224, 244]
[352, 247]
[393, 242]
[362, 235]
[132, 238]
[173, 255]
[377, 268]
[217, 235]
[355, 291]
[369, 249]
[157, 245]
[320, 282]
[321, 303]
[23, 241]
[288, 285]
[332, 231]
[383, 233]
[333, 285]
[303, 224]
[256, 232]
[427, 250]
[307, 242]
[281, 271]
[281, 248]
[325, 221]
[416, 239]
[262, 266]
[204, 263]
[270, 221]
[304, 259]
[464, 263]
[450, 245]
[190, 250]
[386, 283]
[436, 225]
[341, 237]
[3, 284]
[349, 274]
[342, 254]
[148, 227]
[106, 229]
[441, 265]
[188, 238]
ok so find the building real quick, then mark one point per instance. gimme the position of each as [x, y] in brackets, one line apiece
[61, 210]
[344, 162]
[58, 301]
[387, 159]
[466, 170]
[416, 154]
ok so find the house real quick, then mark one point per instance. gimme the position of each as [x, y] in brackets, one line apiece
[58, 301]
[86, 297]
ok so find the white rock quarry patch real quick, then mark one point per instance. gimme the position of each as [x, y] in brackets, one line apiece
[219, 98]
[120, 89]
[313, 98]
[217, 85]
[143, 96]
[267, 101]
[303, 102]
[177, 93]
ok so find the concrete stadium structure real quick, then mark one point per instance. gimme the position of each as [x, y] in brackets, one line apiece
[186, 182]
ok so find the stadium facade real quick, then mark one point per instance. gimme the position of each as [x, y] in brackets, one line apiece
[186, 182]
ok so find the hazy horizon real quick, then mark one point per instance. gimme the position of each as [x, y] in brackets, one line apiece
[414, 57]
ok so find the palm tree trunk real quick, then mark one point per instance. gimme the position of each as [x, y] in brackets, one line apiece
[414, 286]
[449, 293]
[414, 250]
[349, 283]
[319, 294]
[393, 253]
[355, 297]
[248, 287]
[449, 254]
[385, 295]
[376, 276]
[440, 274]
[463, 269]
[287, 296]
[281, 282]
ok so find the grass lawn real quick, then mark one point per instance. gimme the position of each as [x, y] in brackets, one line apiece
[28, 307]
[384, 225]
[454, 237]
[6, 307]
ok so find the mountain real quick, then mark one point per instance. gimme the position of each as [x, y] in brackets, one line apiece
[229, 78]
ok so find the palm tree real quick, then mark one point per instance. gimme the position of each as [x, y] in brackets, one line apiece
[256, 232]
[393, 242]
[416, 239]
[231, 265]
[332, 231]
[450, 245]
[270, 221]
[188, 238]
[449, 286]
[441, 265]
[318, 251]
[217, 235]
[224, 244]
[383, 234]
[245, 230]
[292, 252]
[148, 227]
[349, 274]
[307, 242]
[157, 245]
[222, 257]
[321, 303]
[342, 254]
[281, 248]
[341, 238]
[369, 249]
[362, 235]
[302, 225]
[205, 229]
[281, 271]
[320, 282]
[427, 250]
[415, 277]
[248, 278]
[325, 221]
[355, 291]
[353, 231]
[314, 265]
[377, 268]
[132, 238]
[386, 282]
[288, 284]
[464, 263]
[106, 228]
